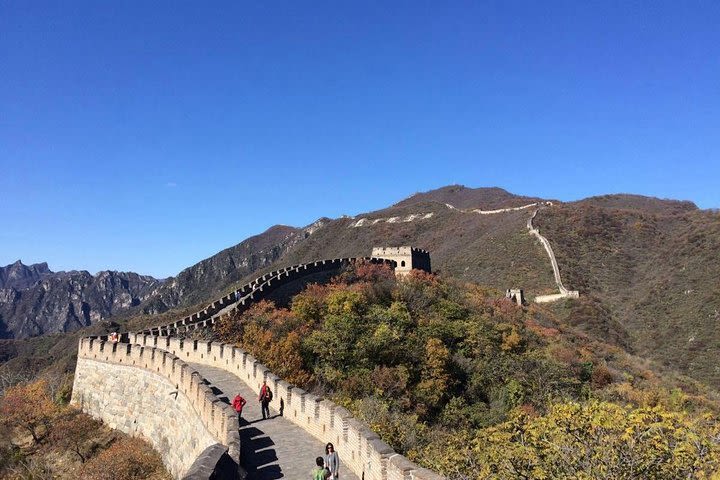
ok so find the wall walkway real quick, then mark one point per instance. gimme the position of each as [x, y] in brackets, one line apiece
[274, 448]
[361, 451]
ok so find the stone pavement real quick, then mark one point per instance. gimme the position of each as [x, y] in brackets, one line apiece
[270, 449]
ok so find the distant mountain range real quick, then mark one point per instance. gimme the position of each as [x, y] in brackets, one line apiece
[646, 268]
[35, 300]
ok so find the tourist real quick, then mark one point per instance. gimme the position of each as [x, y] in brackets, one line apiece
[320, 472]
[265, 398]
[238, 403]
[332, 461]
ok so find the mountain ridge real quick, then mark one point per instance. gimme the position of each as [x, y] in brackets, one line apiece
[35, 300]
[603, 244]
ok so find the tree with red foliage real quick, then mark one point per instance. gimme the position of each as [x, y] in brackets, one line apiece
[28, 406]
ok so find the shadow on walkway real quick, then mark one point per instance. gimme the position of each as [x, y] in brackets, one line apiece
[262, 419]
[259, 459]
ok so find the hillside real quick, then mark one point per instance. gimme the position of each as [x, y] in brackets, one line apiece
[460, 196]
[653, 268]
[493, 250]
[205, 279]
[447, 372]
[644, 266]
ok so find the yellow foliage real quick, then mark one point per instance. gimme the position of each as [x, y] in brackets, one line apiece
[286, 361]
[345, 302]
[600, 440]
[511, 340]
[435, 378]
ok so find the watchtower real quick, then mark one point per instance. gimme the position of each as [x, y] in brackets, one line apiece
[407, 258]
[516, 295]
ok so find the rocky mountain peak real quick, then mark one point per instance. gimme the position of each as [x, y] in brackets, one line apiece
[20, 276]
[34, 300]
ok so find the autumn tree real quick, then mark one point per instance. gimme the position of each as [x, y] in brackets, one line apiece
[72, 430]
[29, 407]
[126, 459]
[286, 360]
[600, 440]
[435, 377]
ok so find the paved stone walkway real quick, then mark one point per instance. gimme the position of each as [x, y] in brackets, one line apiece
[270, 449]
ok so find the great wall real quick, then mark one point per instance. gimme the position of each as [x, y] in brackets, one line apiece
[156, 384]
[564, 292]
[159, 385]
[516, 294]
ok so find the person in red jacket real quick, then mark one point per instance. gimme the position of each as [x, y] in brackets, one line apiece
[238, 403]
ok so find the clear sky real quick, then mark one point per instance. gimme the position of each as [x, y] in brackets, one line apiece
[147, 136]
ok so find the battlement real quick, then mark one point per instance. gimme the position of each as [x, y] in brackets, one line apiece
[406, 258]
[117, 381]
[360, 449]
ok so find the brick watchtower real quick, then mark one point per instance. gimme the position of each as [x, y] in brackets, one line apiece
[407, 258]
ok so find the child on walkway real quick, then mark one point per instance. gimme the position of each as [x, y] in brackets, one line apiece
[320, 472]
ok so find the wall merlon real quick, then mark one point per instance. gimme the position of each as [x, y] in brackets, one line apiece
[261, 372]
[380, 447]
[284, 390]
[401, 463]
[342, 413]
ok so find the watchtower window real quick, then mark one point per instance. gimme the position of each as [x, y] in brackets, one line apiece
[402, 264]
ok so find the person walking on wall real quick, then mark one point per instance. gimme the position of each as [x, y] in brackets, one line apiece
[319, 472]
[238, 403]
[265, 398]
[332, 461]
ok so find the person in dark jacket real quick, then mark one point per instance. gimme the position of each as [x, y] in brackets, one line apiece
[265, 397]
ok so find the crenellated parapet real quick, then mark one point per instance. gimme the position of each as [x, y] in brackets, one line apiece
[152, 393]
[258, 289]
[360, 448]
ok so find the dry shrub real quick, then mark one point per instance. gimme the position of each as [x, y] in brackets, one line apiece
[28, 407]
[541, 331]
[601, 376]
[73, 430]
[128, 458]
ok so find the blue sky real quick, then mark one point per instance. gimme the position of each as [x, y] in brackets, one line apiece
[147, 136]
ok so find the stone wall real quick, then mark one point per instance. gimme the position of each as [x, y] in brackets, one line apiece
[564, 292]
[259, 289]
[360, 449]
[152, 394]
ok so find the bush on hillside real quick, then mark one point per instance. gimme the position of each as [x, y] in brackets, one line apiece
[433, 366]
